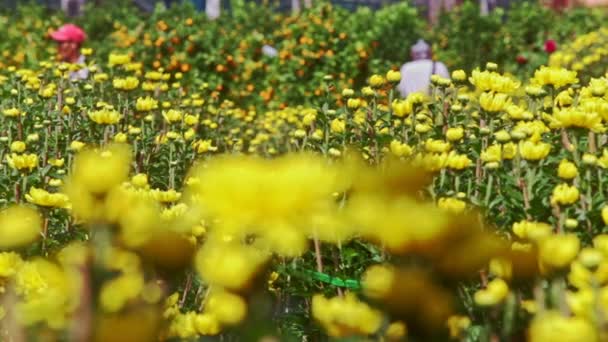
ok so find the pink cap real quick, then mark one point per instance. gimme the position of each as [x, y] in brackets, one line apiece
[69, 33]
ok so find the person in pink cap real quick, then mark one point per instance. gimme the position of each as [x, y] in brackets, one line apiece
[69, 38]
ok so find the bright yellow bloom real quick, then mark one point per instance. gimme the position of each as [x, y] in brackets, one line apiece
[338, 126]
[402, 108]
[452, 205]
[376, 81]
[564, 194]
[128, 83]
[203, 146]
[22, 162]
[533, 231]
[502, 136]
[190, 120]
[509, 151]
[492, 81]
[11, 112]
[492, 154]
[120, 138]
[345, 316]
[534, 150]
[105, 116]
[573, 117]
[496, 292]
[140, 180]
[353, 103]
[494, 102]
[567, 170]
[347, 92]
[457, 161]
[437, 146]
[118, 59]
[172, 116]
[393, 76]
[17, 146]
[454, 133]
[368, 91]
[145, 104]
[459, 75]
[518, 113]
[19, 226]
[45, 199]
[400, 149]
[101, 77]
[564, 99]
[556, 77]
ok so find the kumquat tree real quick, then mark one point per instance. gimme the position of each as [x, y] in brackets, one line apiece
[262, 176]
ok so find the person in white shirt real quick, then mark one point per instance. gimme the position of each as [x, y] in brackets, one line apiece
[416, 75]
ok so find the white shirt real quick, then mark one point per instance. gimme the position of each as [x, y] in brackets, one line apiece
[81, 74]
[416, 76]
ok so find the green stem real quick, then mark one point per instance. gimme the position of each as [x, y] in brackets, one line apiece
[489, 189]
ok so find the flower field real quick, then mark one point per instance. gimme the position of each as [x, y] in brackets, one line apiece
[166, 198]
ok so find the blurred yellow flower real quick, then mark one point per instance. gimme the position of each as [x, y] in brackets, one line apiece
[345, 316]
[226, 307]
[76, 145]
[19, 226]
[552, 326]
[557, 251]
[11, 112]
